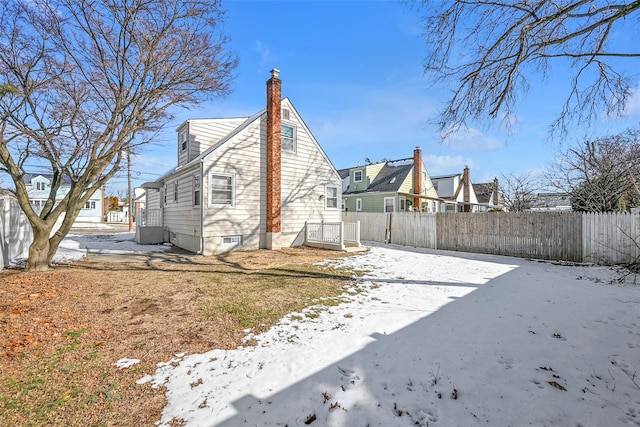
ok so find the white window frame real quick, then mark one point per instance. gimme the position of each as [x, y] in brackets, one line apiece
[165, 190]
[327, 196]
[197, 191]
[358, 205]
[184, 139]
[361, 172]
[293, 139]
[403, 203]
[232, 201]
[232, 240]
[175, 191]
[90, 204]
[393, 204]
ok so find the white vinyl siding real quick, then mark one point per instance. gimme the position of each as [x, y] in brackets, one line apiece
[204, 133]
[182, 221]
[304, 178]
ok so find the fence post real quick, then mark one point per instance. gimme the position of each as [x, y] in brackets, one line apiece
[341, 235]
[358, 232]
[306, 232]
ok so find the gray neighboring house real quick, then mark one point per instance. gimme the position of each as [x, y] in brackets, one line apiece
[243, 183]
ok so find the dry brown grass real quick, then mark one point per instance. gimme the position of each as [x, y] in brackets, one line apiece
[62, 331]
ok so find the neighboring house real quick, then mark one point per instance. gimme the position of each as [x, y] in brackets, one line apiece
[552, 202]
[389, 186]
[488, 195]
[39, 185]
[457, 192]
[244, 183]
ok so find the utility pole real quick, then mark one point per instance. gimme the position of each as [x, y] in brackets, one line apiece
[130, 195]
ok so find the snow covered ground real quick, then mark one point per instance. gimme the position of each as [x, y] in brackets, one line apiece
[436, 339]
[75, 246]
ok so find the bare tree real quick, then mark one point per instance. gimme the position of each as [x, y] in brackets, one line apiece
[485, 49]
[96, 78]
[518, 191]
[601, 175]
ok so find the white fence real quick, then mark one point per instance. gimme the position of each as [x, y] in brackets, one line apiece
[149, 218]
[332, 235]
[603, 238]
[15, 233]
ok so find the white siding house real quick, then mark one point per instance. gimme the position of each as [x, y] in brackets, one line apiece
[39, 185]
[217, 198]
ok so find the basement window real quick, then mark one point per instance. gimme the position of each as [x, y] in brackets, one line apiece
[232, 240]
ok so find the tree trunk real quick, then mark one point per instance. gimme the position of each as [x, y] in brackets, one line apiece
[39, 251]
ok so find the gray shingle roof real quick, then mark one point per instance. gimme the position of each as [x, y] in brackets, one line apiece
[389, 179]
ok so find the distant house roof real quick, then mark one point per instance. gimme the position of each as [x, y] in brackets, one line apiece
[6, 194]
[483, 191]
[29, 176]
[344, 173]
[389, 179]
[551, 202]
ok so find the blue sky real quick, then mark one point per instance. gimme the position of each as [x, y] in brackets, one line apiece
[353, 69]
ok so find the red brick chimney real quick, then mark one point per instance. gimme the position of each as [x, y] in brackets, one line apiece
[466, 190]
[274, 144]
[417, 178]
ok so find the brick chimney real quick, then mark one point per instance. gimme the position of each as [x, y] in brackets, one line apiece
[417, 178]
[496, 189]
[274, 144]
[466, 192]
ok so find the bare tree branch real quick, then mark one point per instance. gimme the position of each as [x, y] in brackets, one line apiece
[486, 50]
[95, 78]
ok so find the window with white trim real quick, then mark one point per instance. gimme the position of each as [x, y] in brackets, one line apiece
[175, 191]
[91, 204]
[389, 204]
[184, 138]
[196, 190]
[165, 189]
[331, 197]
[288, 138]
[41, 186]
[357, 175]
[358, 205]
[403, 203]
[222, 190]
[232, 240]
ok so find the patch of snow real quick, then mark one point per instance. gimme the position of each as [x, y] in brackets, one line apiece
[75, 247]
[126, 363]
[435, 338]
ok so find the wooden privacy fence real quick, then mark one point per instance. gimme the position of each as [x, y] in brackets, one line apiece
[603, 238]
